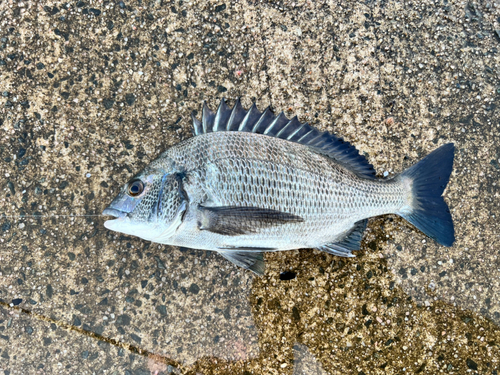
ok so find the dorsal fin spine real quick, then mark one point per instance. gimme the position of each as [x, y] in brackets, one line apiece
[207, 118]
[296, 130]
[247, 117]
[218, 116]
[261, 119]
[314, 140]
[204, 116]
[233, 114]
[196, 124]
[273, 124]
[305, 135]
[293, 119]
[222, 116]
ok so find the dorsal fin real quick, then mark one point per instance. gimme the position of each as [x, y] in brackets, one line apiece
[237, 115]
[267, 123]
[207, 119]
[197, 125]
[221, 117]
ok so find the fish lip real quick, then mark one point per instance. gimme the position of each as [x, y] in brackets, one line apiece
[114, 212]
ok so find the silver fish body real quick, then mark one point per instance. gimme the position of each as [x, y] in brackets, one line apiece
[253, 170]
[242, 191]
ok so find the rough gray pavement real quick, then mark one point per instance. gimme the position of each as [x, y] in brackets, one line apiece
[92, 91]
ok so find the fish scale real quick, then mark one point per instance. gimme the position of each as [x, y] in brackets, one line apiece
[250, 182]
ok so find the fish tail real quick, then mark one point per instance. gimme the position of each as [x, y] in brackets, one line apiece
[426, 208]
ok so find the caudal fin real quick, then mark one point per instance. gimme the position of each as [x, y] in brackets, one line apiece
[428, 179]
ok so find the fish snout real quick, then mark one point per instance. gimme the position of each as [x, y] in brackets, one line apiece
[109, 211]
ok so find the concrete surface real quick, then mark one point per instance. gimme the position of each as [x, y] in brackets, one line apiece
[92, 91]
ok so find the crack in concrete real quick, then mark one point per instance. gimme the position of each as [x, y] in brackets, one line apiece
[119, 344]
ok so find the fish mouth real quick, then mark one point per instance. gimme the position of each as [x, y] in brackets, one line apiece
[114, 224]
[114, 212]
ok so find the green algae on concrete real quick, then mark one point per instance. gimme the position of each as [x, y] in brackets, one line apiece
[92, 91]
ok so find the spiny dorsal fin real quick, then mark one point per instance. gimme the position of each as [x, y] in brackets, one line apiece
[207, 119]
[197, 125]
[237, 115]
[253, 121]
[221, 117]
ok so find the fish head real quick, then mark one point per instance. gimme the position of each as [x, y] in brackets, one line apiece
[150, 206]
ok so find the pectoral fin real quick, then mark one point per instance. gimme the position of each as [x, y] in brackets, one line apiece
[234, 221]
[250, 260]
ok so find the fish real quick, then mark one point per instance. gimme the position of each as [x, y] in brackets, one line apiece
[250, 182]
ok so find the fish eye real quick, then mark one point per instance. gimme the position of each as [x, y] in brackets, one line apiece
[135, 188]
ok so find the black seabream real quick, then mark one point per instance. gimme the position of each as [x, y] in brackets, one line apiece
[250, 182]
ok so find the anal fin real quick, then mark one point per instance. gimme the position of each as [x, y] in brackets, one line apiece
[351, 241]
[250, 260]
